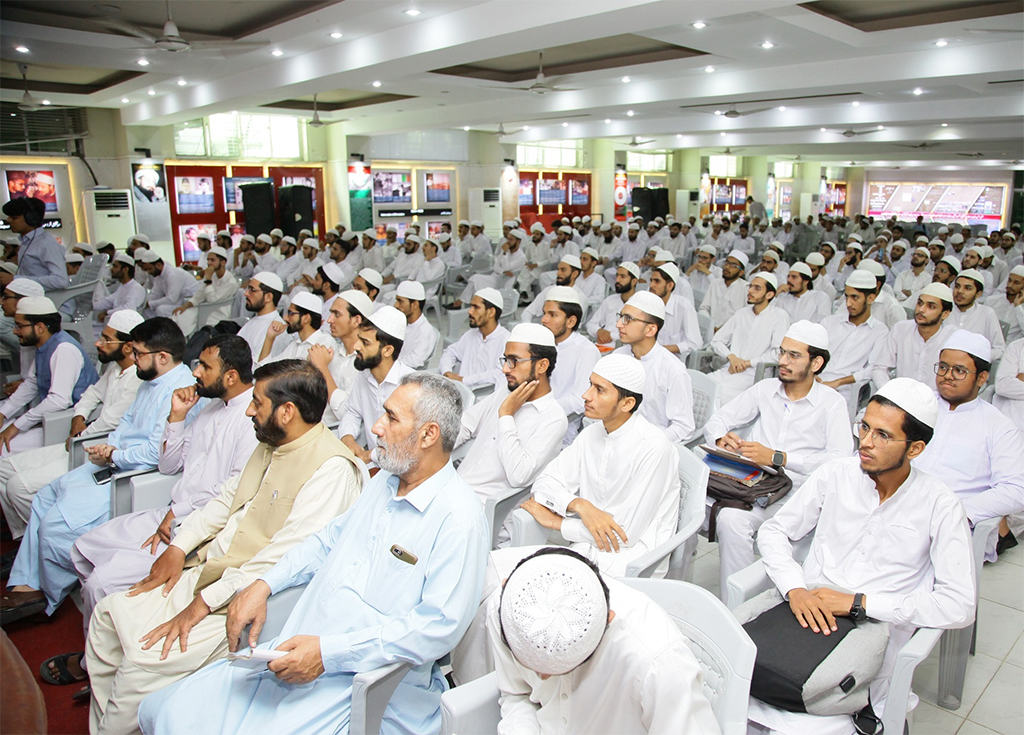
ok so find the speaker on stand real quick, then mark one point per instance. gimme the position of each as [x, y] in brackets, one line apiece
[258, 206]
[296, 206]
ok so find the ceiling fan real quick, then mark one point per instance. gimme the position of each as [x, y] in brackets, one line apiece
[976, 154]
[28, 102]
[850, 132]
[170, 39]
[501, 132]
[732, 113]
[797, 159]
[636, 141]
[729, 152]
[919, 146]
[315, 121]
[542, 84]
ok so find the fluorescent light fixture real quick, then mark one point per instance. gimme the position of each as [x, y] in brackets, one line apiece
[142, 62]
[881, 127]
[375, 84]
[709, 69]
[679, 136]
[700, 24]
[718, 112]
[607, 121]
[412, 12]
[823, 130]
[630, 113]
[855, 103]
[918, 91]
[182, 82]
[21, 49]
[336, 35]
[940, 43]
[526, 127]
[767, 45]
[277, 52]
[45, 102]
[722, 133]
[626, 80]
[945, 125]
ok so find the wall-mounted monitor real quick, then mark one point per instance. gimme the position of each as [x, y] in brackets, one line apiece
[551, 191]
[392, 187]
[579, 192]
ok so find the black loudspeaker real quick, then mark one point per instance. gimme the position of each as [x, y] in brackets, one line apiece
[258, 205]
[296, 203]
[642, 203]
[659, 202]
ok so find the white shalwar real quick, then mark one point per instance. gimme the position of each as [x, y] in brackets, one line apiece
[477, 357]
[570, 379]
[642, 679]
[910, 556]
[850, 348]
[392, 612]
[420, 341]
[1009, 396]
[668, 393]
[208, 452]
[905, 350]
[721, 301]
[365, 404]
[811, 431]
[752, 337]
[982, 320]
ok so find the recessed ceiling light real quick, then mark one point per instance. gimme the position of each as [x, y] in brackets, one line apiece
[607, 120]
[526, 127]
[881, 127]
[14, 114]
[375, 84]
[945, 125]
[722, 133]
[21, 49]
[626, 80]
[823, 130]
[466, 128]
[855, 103]
[152, 92]
[782, 108]
[46, 102]
[700, 24]
[182, 82]
[124, 100]
[277, 52]
[918, 91]
[718, 112]
[679, 135]
[413, 12]
[142, 62]
[630, 113]
[335, 35]
[565, 125]
[940, 43]
[709, 69]
[767, 45]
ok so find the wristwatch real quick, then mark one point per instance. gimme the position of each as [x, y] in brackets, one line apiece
[857, 611]
[778, 458]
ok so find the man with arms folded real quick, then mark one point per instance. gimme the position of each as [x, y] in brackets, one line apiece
[298, 479]
[602, 324]
[912, 347]
[576, 355]
[852, 336]
[887, 536]
[507, 265]
[610, 638]
[420, 335]
[799, 425]
[405, 564]
[976, 450]
[262, 296]
[728, 294]
[477, 351]
[668, 394]
[522, 428]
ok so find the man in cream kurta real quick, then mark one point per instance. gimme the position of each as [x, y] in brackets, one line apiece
[298, 479]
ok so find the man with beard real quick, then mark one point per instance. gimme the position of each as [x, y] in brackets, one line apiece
[567, 274]
[522, 427]
[727, 293]
[537, 252]
[577, 355]
[380, 343]
[23, 474]
[799, 424]
[129, 295]
[913, 345]
[890, 542]
[302, 320]
[337, 364]
[296, 481]
[703, 269]
[79, 500]
[405, 263]
[40, 256]
[800, 300]
[970, 314]
[171, 286]
[218, 285]
[262, 296]
[477, 352]
[602, 325]
[397, 578]
[1009, 305]
[56, 380]
[915, 277]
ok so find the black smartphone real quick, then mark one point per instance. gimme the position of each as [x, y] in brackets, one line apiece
[103, 474]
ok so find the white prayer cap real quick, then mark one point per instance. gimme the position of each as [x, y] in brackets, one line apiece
[146, 255]
[432, 240]
[477, 223]
[309, 302]
[288, 239]
[974, 344]
[936, 241]
[306, 232]
[357, 299]
[855, 245]
[956, 239]
[565, 229]
[519, 234]
[123, 257]
[573, 261]
[264, 237]
[768, 278]
[443, 237]
[278, 232]
[634, 226]
[1017, 270]
[710, 249]
[665, 256]
[333, 272]
[902, 242]
[938, 290]
[223, 233]
[801, 268]
[91, 249]
[921, 238]
[370, 233]
[414, 238]
[943, 230]
[340, 226]
[124, 320]
[491, 296]
[622, 371]
[509, 223]
[372, 277]
[873, 267]
[808, 333]
[606, 227]
[392, 228]
[311, 242]
[389, 320]
[859, 279]
[648, 303]
[586, 218]
[331, 231]
[36, 306]
[987, 252]
[204, 236]
[25, 287]
[777, 244]
[740, 256]
[631, 268]
[412, 290]
[923, 251]
[536, 227]
[591, 252]
[670, 270]
[463, 222]
[716, 221]
[217, 250]
[953, 263]
[815, 259]
[914, 397]
[249, 239]
[270, 280]
[563, 294]
[851, 236]
[519, 222]
[771, 254]
[11, 268]
[140, 237]
[532, 334]
[73, 258]
[972, 273]
[576, 219]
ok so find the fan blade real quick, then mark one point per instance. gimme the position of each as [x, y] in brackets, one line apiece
[125, 28]
[228, 46]
[754, 112]
[518, 89]
[564, 89]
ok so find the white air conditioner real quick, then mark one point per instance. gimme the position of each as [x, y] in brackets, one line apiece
[485, 205]
[109, 215]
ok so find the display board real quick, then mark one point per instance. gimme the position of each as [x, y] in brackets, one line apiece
[974, 203]
[33, 184]
[392, 187]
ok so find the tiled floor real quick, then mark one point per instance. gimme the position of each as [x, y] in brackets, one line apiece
[993, 698]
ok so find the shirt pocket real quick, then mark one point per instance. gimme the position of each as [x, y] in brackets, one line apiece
[393, 586]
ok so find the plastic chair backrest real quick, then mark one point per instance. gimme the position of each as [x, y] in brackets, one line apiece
[724, 650]
[205, 310]
[707, 395]
[468, 397]
[90, 269]
[707, 328]
[458, 323]
[693, 482]
[511, 298]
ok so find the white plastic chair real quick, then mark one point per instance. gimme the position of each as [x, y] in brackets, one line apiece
[707, 398]
[205, 310]
[458, 323]
[138, 490]
[707, 327]
[57, 426]
[511, 298]
[468, 398]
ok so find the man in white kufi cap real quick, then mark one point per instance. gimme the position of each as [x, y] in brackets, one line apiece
[1008, 303]
[557, 624]
[450, 253]
[798, 297]
[473, 359]
[516, 431]
[601, 325]
[475, 242]
[171, 285]
[300, 330]
[537, 253]
[727, 293]
[913, 345]
[703, 271]
[23, 474]
[347, 314]
[916, 277]
[668, 395]
[405, 263]
[508, 263]
[606, 243]
[129, 294]
[421, 336]
[218, 286]
[567, 274]
[751, 335]
[798, 425]
[976, 450]
[262, 295]
[681, 333]
[969, 313]
[875, 511]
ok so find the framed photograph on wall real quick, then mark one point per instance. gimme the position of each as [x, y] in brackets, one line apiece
[40, 185]
[438, 186]
[194, 194]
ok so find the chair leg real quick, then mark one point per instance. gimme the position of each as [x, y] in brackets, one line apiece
[954, 647]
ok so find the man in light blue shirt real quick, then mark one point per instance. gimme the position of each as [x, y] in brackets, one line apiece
[397, 578]
[43, 573]
[40, 256]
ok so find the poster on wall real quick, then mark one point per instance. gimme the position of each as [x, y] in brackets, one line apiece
[551, 191]
[620, 193]
[526, 193]
[722, 194]
[434, 228]
[769, 199]
[148, 183]
[360, 191]
[579, 192]
[194, 194]
[152, 207]
[233, 191]
[382, 231]
[391, 187]
[188, 236]
[739, 193]
[438, 187]
[33, 184]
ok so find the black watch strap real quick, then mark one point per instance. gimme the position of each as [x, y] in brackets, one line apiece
[857, 611]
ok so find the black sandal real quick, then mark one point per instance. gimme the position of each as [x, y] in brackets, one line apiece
[64, 675]
[83, 694]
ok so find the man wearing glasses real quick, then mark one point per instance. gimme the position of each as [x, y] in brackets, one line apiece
[78, 501]
[799, 424]
[262, 296]
[976, 450]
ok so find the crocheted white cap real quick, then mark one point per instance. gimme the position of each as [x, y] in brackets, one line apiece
[219, 251]
[939, 290]
[553, 612]
[359, 300]
[873, 267]
[412, 290]
[573, 261]
[767, 278]
[334, 272]
[859, 279]
[73, 258]
[914, 397]
[671, 271]
[124, 320]
[972, 273]
[36, 306]
[970, 342]
[808, 333]
[123, 257]
[953, 263]
[389, 320]
[265, 238]
[532, 334]
[625, 372]
[648, 303]
[803, 268]
[278, 232]
[145, 255]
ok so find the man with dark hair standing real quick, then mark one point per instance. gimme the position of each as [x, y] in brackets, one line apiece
[78, 501]
[40, 256]
[297, 480]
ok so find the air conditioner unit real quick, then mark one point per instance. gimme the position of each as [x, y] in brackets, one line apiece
[485, 205]
[109, 215]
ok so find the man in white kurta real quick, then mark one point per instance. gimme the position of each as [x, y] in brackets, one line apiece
[507, 265]
[300, 330]
[218, 284]
[914, 278]
[412, 606]
[576, 355]
[795, 416]
[262, 296]
[912, 347]
[800, 300]
[130, 294]
[421, 336]
[136, 639]
[208, 452]
[1009, 396]
[476, 352]
[1009, 304]
[970, 314]
[727, 294]
[680, 333]
[601, 326]
[171, 286]
[337, 365]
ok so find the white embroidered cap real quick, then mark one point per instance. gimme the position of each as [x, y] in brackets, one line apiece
[621, 371]
[914, 397]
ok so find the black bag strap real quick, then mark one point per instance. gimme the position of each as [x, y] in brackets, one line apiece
[866, 722]
[718, 505]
